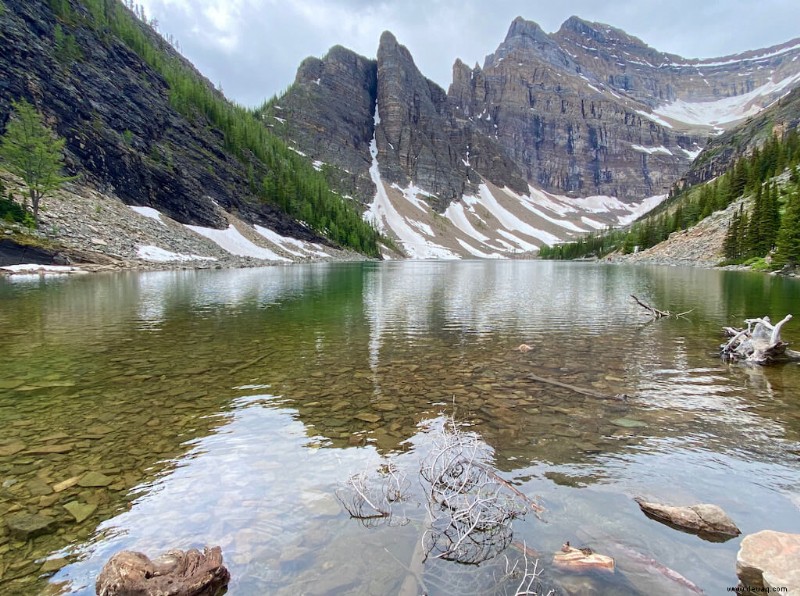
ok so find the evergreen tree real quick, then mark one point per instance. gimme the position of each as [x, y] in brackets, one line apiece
[787, 251]
[730, 244]
[31, 151]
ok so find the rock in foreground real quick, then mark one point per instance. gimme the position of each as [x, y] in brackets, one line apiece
[707, 521]
[175, 573]
[770, 561]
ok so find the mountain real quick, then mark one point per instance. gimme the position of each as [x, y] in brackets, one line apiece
[143, 126]
[722, 151]
[553, 136]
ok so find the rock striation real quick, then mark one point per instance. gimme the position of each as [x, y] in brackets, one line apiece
[122, 134]
[588, 110]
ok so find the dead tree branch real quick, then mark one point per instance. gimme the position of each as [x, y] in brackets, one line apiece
[659, 314]
[372, 499]
[470, 507]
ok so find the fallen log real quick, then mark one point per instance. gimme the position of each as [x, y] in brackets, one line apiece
[650, 565]
[174, 573]
[582, 559]
[759, 343]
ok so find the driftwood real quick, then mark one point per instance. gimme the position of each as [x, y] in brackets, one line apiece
[659, 314]
[582, 390]
[582, 559]
[759, 343]
[175, 573]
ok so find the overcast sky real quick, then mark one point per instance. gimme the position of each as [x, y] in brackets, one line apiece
[252, 48]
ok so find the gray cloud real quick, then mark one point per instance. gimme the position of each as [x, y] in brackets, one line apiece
[253, 47]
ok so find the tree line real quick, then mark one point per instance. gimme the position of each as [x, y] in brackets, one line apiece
[752, 232]
[275, 173]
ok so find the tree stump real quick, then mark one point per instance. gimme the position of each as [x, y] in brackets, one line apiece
[174, 573]
[759, 343]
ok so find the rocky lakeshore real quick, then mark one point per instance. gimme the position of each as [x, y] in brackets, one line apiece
[93, 231]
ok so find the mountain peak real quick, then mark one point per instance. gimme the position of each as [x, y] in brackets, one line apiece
[598, 31]
[524, 28]
[388, 39]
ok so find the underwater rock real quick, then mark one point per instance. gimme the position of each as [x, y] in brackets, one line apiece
[26, 525]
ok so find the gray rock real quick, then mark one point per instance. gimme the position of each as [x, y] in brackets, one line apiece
[706, 520]
[770, 560]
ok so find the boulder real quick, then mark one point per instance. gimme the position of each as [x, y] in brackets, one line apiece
[769, 561]
[709, 522]
[175, 573]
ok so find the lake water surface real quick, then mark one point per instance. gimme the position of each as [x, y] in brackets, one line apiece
[179, 409]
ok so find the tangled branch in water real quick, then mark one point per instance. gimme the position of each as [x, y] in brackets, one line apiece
[372, 499]
[470, 509]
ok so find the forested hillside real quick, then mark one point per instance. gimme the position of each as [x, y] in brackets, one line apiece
[768, 177]
[139, 118]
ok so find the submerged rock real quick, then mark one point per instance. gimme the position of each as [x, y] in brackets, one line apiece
[80, 511]
[769, 560]
[26, 525]
[707, 521]
[94, 480]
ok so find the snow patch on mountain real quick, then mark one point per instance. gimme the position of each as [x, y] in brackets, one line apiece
[156, 254]
[232, 241]
[385, 216]
[725, 110]
[148, 212]
[293, 246]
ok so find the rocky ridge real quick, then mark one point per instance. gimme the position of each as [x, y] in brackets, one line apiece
[586, 113]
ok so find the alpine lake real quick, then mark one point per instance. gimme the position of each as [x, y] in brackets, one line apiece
[177, 409]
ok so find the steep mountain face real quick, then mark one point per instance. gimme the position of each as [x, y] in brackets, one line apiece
[316, 119]
[666, 82]
[122, 134]
[560, 128]
[567, 132]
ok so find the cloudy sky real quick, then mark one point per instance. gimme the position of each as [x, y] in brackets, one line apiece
[252, 47]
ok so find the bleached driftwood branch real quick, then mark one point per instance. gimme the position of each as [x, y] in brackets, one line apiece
[373, 499]
[470, 506]
[759, 343]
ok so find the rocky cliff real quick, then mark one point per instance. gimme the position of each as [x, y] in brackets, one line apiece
[588, 113]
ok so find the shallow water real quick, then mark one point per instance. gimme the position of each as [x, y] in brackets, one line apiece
[227, 407]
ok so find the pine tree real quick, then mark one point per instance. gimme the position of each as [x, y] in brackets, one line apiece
[731, 242]
[31, 151]
[787, 251]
